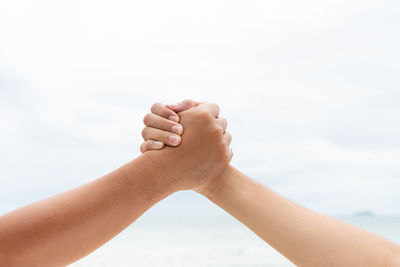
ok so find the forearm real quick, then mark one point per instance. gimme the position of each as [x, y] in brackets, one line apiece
[66, 227]
[303, 236]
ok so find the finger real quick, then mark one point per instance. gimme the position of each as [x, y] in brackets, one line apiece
[183, 105]
[155, 121]
[162, 136]
[161, 110]
[228, 138]
[212, 108]
[151, 145]
[223, 123]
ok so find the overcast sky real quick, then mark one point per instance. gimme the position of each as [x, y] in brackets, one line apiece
[311, 90]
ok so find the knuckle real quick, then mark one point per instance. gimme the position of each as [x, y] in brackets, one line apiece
[217, 107]
[204, 116]
[144, 133]
[225, 122]
[187, 102]
[214, 106]
[167, 124]
[155, 106]
[217, 132]
[164, 138]
[190, 102]
[147, 118]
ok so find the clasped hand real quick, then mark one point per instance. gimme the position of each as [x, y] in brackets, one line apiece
[197, 142]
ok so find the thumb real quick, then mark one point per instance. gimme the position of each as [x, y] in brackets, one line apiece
[183, 105]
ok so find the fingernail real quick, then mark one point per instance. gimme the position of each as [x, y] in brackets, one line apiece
[176, 129]
[173, 118]
[173, 139]
[158, 144]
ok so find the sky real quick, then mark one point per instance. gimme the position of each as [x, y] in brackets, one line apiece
[310, 89]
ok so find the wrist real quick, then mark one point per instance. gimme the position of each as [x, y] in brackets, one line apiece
[217, 185]
[158, 172]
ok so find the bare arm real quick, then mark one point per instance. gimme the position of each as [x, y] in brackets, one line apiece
[62, 229]
[303, 236]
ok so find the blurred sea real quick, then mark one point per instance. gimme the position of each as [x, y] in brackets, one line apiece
[205, 242]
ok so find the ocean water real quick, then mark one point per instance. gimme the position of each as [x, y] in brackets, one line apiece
[205, 242]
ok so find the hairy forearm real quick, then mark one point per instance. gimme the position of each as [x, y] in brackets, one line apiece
[303, 236]
[60, 230]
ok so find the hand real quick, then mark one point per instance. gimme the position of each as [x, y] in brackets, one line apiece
[162, 127]
[204, 150]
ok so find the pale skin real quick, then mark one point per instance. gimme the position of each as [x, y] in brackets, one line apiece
[305, 237]
[64, 228]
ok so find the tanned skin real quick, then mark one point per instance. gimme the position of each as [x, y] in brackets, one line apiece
[303, 236]
[62, 229]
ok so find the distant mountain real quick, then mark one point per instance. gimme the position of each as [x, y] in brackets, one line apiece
[364, 213]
